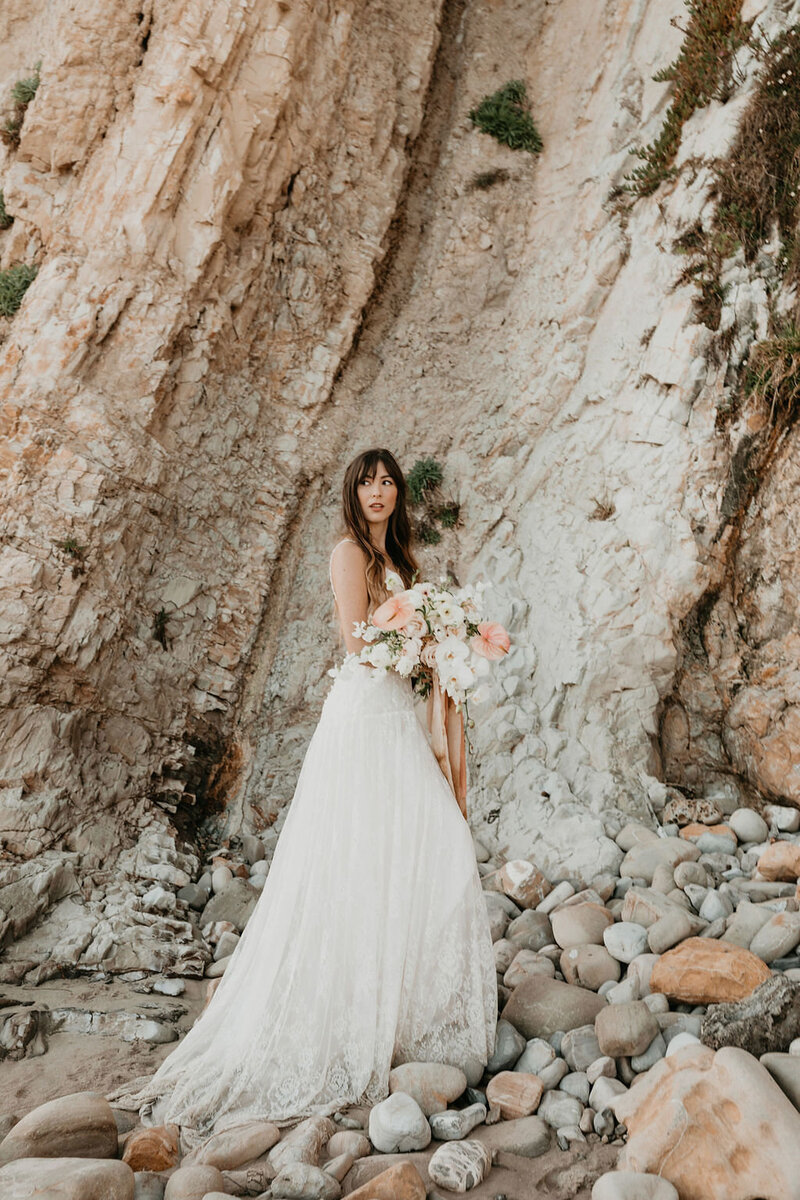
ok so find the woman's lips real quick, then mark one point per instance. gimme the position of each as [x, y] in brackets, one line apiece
[376, 506]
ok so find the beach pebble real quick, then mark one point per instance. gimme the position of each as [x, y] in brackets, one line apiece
[398, 1124]
[625, 940]
[460, 1166]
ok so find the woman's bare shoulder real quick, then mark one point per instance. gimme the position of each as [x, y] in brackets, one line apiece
[348, 553]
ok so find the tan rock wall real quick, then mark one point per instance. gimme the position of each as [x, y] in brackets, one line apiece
[209, 186]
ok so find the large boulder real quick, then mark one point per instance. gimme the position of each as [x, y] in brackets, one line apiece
[540, 1007]
[715, 1124]
[705, 971]
[80, 1125]
[234, 903]
[67, 1179]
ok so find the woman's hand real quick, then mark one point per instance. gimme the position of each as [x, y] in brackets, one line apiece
[348, 571]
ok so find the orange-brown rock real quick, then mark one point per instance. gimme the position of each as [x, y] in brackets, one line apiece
[697, 830]
[705, 971]
[523, 882]
[780, 861]
[155, 1149]
[515, 1093]
[400, 1182]
[716, 1125]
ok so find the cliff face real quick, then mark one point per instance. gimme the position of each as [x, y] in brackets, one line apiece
[210, 190]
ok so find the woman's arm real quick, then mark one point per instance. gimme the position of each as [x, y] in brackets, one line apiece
[348, 572]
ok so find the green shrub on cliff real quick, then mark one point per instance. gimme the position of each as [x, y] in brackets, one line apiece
[14, 283]
[506, 116]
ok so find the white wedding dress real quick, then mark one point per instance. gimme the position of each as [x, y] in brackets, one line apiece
[369, 945]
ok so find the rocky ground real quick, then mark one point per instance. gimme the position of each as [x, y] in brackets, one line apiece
[649, 1026]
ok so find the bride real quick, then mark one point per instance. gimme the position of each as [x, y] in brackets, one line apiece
[370, 943]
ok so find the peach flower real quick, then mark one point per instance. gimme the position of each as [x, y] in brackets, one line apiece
[491, 640]
[394, 612]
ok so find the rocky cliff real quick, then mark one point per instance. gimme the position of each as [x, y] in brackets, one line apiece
[268, 235]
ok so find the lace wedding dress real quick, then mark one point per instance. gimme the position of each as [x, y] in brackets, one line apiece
[369, 945]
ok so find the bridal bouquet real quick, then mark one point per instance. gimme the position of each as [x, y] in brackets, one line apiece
[428, 631]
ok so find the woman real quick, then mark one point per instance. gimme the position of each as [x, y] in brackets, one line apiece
[370, 943]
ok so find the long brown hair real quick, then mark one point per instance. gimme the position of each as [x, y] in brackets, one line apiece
[398, 532]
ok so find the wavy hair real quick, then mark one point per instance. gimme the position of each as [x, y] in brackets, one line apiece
[398, 532]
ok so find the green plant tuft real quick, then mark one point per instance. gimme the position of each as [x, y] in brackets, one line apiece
[5, 219]
[506, 116]
[428, 534]
[772, 374]
[701, 72]
[448, 515]
[14, 283]
[22, 93]
[425, 474]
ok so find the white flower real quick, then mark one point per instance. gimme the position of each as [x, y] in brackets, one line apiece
[379, 655]
[450, 651]
[449, 612]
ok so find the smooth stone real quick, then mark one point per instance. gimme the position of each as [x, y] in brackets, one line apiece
[504, 953]
[641, 970]
[633, 1185]
[687, 873]
[589, 966]
[680, 1041]
[551, 1076]
[641, 861]
[303, 1143]
[623, 993]
[557, 1109]
[398, 1124]
[231, 1148]
[748, 825]
[778, 937]
[35, 1178]
[636, 834]
[252, 849]
[526, 963]
[79, 1125]
[220, 878]
[580, 1047]
[605, 1090]
[580, 924]
[745, 923]
[515, 1093]
[339, 1166]
[234, 903]
[303, 1181]
[625, 940]
[348, 1141]
[531, 930]
[702, 971]
[193, 1182]
[785, 1070]
[656, 1002]
[625, 1029]
[714, 906]
[540, 1006]
[576, 1084]
[604, 1067]
[528, 1136]
[153, 1149]
[783, 817]
[537, 1055]
[149, 1186]
[561, 892]
[523, 882]
[456, 1123]
[432, 1084]
[401, 1181]
[743, 1130]
[780, 862]
[509, 1045]
[460, 1166]
[670, 929]
[655, 1051]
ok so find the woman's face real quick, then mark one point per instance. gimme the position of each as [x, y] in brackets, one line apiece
[377, 495]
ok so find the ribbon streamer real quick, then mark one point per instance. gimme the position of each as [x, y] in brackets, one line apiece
[446, 725]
